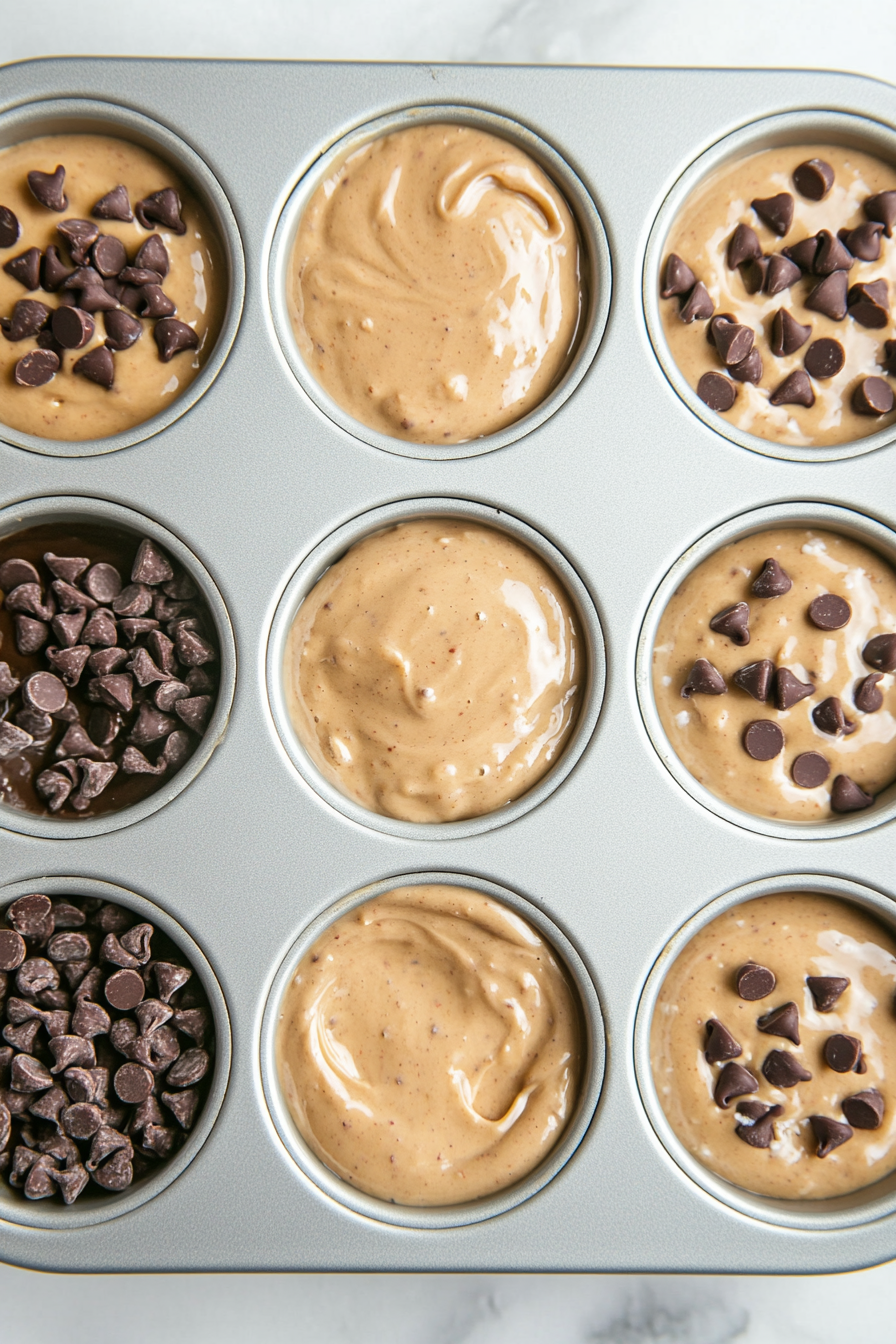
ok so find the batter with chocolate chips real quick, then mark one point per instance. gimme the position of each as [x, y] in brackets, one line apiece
[777, 285]
[773, 1047]
[773, 674]
[112, 286]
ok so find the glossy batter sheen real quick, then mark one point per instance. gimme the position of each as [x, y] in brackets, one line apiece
[434, 672]
[434, 286]
[795, 934]
[706, 731]
[430, 1047]
[70, 406]
[700, 237]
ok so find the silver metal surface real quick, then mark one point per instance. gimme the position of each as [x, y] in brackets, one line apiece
[622, 478]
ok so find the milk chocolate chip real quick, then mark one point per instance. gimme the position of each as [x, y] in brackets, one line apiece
[733, 340]
[781, 274]
[172, 336]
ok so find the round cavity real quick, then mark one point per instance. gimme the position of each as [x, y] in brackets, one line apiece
[807, 1214]
[95, 1205]
[160, 373]
[786, 518]
[757, 163]
[595, 277]
[89, 528]
[454, 1215]
[583, 617]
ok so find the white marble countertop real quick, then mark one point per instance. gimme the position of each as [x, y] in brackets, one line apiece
[451, 1309]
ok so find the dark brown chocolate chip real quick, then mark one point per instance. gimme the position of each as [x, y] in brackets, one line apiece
[44, 691]
[98, 365]
[72, 327]
[82, 1120]
[13, 739]
[775, 211]
[122, 330]
[803, 254]
[829, 612]
[781, 274]
[829, 296]
[151, 565]
[734, 623]
[773, 581]
[136, 941]
[79, 235]
[782, 1069]
[753, 274]
[881, 209]
[754, 981]
[755, 679]
[760, 1133]
[36, 974]
[32, 916]
[9, 227]
[192, 650]
[880, 652]
[47, 188]
[25, 268]
[824, 358]
[182, 1105]
[796, 390]
[172, 336]
[28, 317]
[100, 629]
[154, 302]
[869, 305]
[829, 1133]
[162, 207]
[103, 582]
[703, 679]
[789, 690]
[12, 950]
[868, 697]
[15, 572]
[831, 255]
[90, 1019]
[170, 978]
[743, 245]
[733, 340]
[133, 1083]
[829, 718]
[733, 1081]
[190, 1068]
[153, 256]
[813, 179]
[846, 796]
[783, 1021]
[720, 1044]
[68, 946]
[134, 600]
[716, 391]
[864, 1110]
[872, 396]
[810, 770]
[139, 276]
[124, 990]
[54, 271]
[117, 1173]
[763, 740]
[109, 255]
[34, 370]
[193, 1022]
[842, 1053]
[696, 307]
[863, 241]
[749, 370]
[96, 300]
[114, 205]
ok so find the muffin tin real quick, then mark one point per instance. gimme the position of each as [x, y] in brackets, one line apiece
[253, 477]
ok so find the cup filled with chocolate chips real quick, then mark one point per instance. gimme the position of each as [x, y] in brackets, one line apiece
[115, 680]
[114, 1054]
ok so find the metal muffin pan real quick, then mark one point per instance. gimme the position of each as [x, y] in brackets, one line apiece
[621, 478]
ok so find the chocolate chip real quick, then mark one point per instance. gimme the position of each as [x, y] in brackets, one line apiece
[134, 600]
[732, 340]
[154, 302]
[151, 565]
[47, 188]
[824, 358]
[773, 581]
[114, 205]
[782, 1069]
[869, 304]
[28, 317]
[100, 629]
[703, 679]
[872, 396]
[196, 1023]
[763, 740]
[124, 990]
[172, 335]
[755, 679]
[72, 327]
[90, 1019]
[9, 227]
[881, 209]
[79, 235]
[103, 582]
[153, 256]
[753, 274]
[813, 179]
[796, 390]
[98, 365]
[162, 207]
[743, 245]
[54, 271]
[170, 978]
[109, 255]
[43, 691]
[716, 391]
[734, 1081]
[829, 718]
[15, 572]
[880, 652]
[12, 950]
[720, 1044]
[831, 255]
[776, 212]
[68, 946]
[25, 268]
[760, 1133]
[868, 697]
[96, 300]
[829, 1133]
[13, 739]
[117, 1173]
[810, 770]
[192, 649]
[829, 612]
[863, 241]
[864, 1110]
[846, 796]
[733, 622]
[829, 296]
[842, 1052]
[133, 1083]
[182, 1105]
[754, 981]
[34, 370]
[122, 330]
[783, 1021]
[789, 690]
[139, 276]
[803, 254]
[781, 274]
[749, 370]
[32, 916]
[696, 307]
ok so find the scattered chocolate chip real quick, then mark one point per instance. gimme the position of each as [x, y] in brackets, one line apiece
[139, 276]
[32, 916]
[749, 370]
[831, 255]
[796, 390]
[829, 1133]
[829, 612]
[776, 212]
[734, 1081]
[47, 188]
[97, 365]
[734, 623]
[868, 697]
[813, 179]
[109, 255]
[763, 740]
[34, 370]
[755, 679]
[743, 245]
[54, 271]
[696, 307]
[773, 581]
[703, 679]
[79, 235]
[754, 981]
[881, 209]
[753, 274]
[154, 302]
[122, 330]
[810, 770]
[829, 718]
[846, 796]
[803, 254]
[863, 241]
[153, 256]
[782, 1069]
[872, 396]
[829, 296]
[781, 274]
[72, 327]
[869, 304]
[28, 317]
[25, 268]
[124, 990]
[760, 1133]
[716, 391]
[789, 690]
[842, 1053]
[732, 340]
[9, 227]
[114, 205]
[720, 1044]
[162, 207]
[880, 652]
[783, 1021]
[824, 358]
[864, 1110]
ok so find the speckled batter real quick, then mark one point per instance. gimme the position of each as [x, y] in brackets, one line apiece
[430, 1046]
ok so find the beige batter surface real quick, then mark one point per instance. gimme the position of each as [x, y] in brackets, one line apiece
[434, 672]
[706, 731]
[70, 406]
[794, 935]
[435, 286]
[430, 1047]
[700, 237]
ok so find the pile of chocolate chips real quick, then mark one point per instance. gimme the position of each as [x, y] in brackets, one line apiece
[111, 683]
[99, 277]
[824, 261]
[764, 739]
[842, 1054]
[107, 1047]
